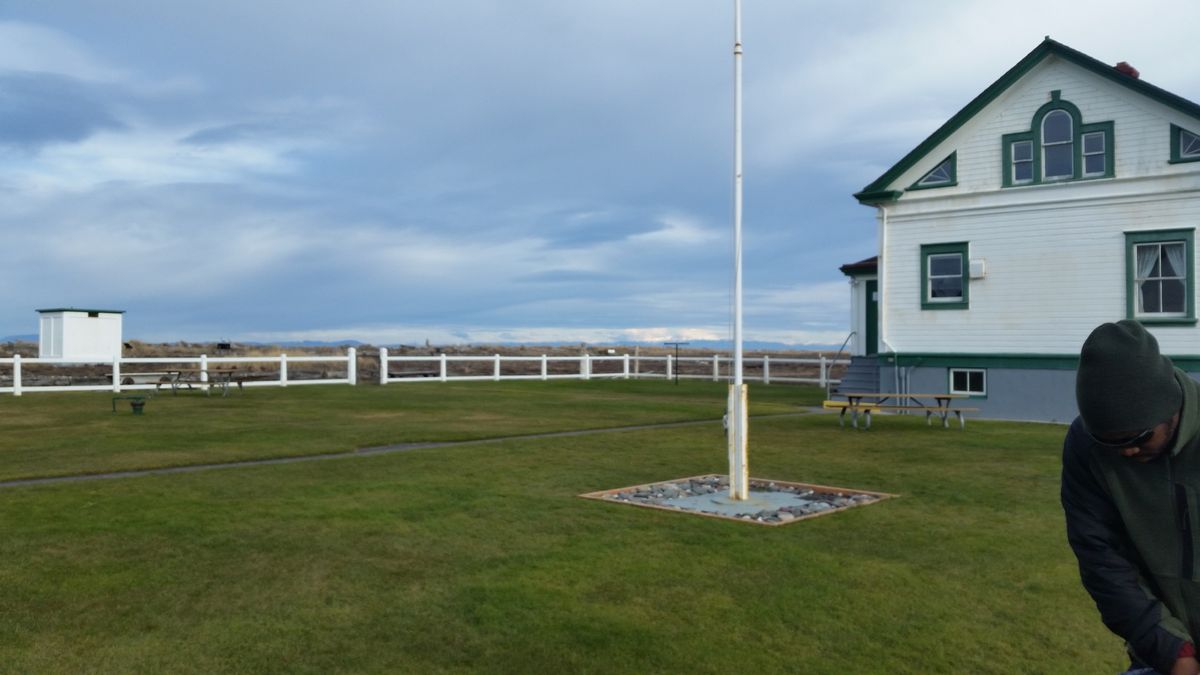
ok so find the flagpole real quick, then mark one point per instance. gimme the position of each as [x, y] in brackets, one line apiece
[737, 407]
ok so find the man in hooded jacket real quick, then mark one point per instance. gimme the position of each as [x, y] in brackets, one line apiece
[1131, 495]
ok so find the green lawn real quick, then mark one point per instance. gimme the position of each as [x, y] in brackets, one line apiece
[51, 434]
[482, 558]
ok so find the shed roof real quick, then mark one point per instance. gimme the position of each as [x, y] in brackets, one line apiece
[865, 266]
[80, 309]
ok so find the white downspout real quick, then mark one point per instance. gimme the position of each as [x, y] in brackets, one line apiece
[885, 293]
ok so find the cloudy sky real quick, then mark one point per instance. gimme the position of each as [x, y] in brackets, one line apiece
[484, 170]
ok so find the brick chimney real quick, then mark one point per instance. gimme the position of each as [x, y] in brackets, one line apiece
[1126, 69]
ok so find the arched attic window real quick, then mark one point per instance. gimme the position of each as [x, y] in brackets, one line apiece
[1058, 147]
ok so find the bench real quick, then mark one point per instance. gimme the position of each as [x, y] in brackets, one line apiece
[943, 412]
[397, 374]
[136, 402]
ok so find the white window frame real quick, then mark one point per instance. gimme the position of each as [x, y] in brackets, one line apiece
[969, 371]
[1069, 143]
[1182, 146]
[1013, 150]
[1085, 154]
[1137, 281]
[929, 276]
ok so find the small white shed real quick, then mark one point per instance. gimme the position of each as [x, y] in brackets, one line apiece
[74, 334]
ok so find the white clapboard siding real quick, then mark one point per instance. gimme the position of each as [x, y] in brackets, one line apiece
[1141, 127]
[1053, 274]
[1055, 253]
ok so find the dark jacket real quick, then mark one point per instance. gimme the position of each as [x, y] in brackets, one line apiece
[1135, 528]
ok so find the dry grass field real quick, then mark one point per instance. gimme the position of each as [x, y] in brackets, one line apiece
[368, 360]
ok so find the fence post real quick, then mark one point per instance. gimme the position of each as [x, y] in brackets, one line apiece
[204, 368]
[496, 368]
[283, 370]
[442, 367]
[766, 369]
[16, 374]
[116, 374]
[352, 366]
[383, 365]
[824, 379]
[584, 367]
[716, 367]
[625, 363]
[670, 366]
[545, 371]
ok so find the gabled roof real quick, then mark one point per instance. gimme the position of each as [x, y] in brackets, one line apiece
[877, 192]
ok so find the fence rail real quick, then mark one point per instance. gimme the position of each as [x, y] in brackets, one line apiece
[438, 368]
[716, 368]
[202, 365]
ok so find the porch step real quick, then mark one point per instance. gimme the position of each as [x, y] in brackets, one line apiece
[861, 376]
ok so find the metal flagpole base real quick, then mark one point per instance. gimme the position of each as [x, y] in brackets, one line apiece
[737, 430]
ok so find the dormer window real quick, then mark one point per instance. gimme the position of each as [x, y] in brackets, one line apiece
[1058, 147]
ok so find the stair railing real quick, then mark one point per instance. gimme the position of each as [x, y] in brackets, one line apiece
[829, 380]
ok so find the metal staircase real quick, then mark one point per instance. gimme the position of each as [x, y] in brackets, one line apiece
[861, 376]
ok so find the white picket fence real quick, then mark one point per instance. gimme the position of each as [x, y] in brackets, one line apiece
[718, 368]
[201, 364]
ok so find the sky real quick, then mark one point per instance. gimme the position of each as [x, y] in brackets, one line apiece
[473, 171]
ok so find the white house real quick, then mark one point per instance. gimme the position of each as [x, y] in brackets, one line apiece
[1065, 195]
[75, 334]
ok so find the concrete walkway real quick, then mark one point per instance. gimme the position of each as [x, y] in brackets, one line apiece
[363, 452]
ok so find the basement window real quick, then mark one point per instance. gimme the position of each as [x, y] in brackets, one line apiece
[970, 381]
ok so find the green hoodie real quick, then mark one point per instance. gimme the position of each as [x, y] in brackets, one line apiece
[1135, 529]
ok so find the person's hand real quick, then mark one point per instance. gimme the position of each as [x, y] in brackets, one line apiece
[1188, 665]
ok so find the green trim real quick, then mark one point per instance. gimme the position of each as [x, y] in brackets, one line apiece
[856, 275]
[962, 248]
[1034, 136]
[953, 160]
[1176, 157]
[878, 196]
[80, 309]
[950, 383]
[1133, 238]
[1188, 362]
[1006, 143]
[1047, 48]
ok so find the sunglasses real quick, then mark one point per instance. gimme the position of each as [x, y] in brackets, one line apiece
[1130, 442]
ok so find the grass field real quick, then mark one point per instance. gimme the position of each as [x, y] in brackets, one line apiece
[481, 558]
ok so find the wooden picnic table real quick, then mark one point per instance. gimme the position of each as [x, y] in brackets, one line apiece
[868, 402]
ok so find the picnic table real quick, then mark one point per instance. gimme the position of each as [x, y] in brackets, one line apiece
[868, 402]
[158, 378]
[222, 378]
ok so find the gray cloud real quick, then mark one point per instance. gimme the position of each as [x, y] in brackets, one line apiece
[37, 109]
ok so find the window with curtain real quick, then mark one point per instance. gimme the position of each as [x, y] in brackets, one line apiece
[1161, 278]
[1161, 275]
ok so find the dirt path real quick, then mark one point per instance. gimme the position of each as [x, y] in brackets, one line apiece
[362, 452]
